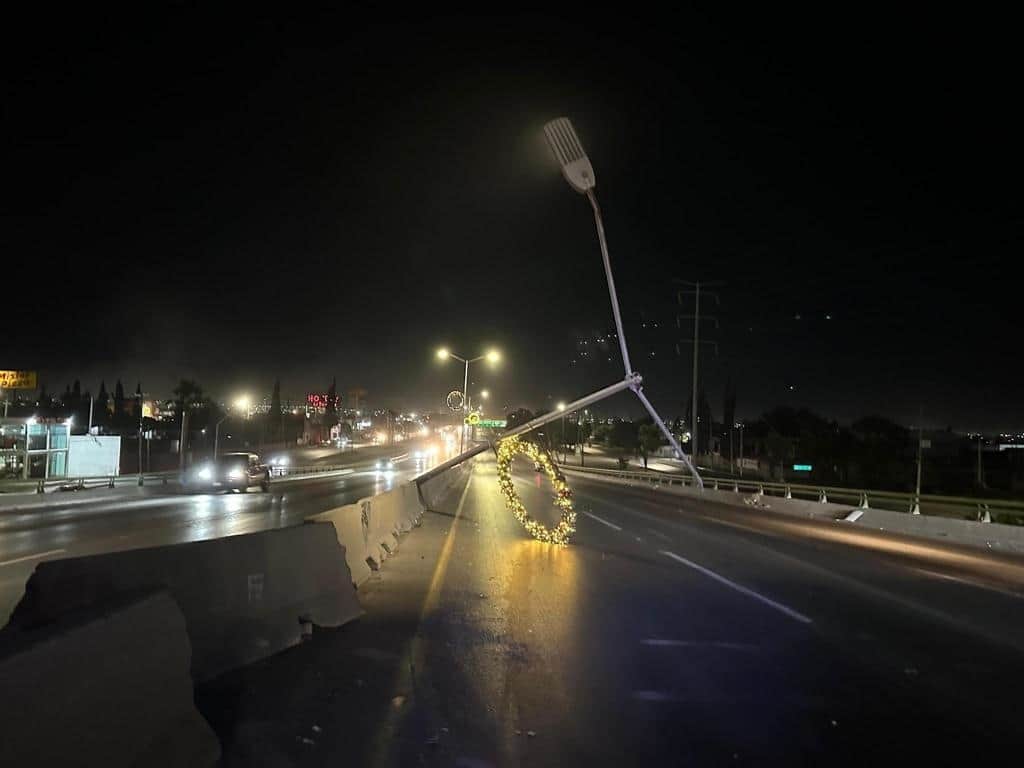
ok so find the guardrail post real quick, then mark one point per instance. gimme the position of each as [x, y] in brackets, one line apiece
[983, 514]
[864, 501]
[760, 489]
[81, 483]
[789, 492]
[822, 498]
[735, 487]
[39, 487]
[110, 482]
[915, 506]
[716, 484]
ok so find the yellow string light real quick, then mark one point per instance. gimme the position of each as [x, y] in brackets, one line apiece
[508, 449]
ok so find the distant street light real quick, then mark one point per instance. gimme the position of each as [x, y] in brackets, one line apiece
[492, 356]
[242, 403]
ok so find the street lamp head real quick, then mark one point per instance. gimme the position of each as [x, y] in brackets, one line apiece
[485, 394]
[561, 406]
[494, 356]
[442, 353]
[242, 403]
[568, 151]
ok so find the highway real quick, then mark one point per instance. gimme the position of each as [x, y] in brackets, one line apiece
[88, 522]
[670, 632]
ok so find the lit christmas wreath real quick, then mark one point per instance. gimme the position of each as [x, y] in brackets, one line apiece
[508, 449]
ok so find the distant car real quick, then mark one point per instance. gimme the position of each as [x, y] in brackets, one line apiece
[236, 471]
[385, 465]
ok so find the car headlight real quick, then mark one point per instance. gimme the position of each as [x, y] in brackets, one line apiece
[205, 473]
[378, 465]
[391, 465]
[235, 474]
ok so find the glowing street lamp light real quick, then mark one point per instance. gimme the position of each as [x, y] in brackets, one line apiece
[492, 356]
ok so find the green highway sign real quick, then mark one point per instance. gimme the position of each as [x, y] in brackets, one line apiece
[492, 423]
[802, 467]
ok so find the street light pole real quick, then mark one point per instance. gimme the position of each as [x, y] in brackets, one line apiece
[140, 437]
[493, 356]
[216, 435]
[916, 509]
[579, 173]
[741, 450]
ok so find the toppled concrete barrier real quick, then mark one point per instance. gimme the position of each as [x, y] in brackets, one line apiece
[110, 687]
[353, 534]
[243, 597]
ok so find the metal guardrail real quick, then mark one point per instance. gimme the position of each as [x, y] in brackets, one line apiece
[968, 507]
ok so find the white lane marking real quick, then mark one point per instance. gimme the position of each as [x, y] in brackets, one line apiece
[740, 588]
[655, 696]
[698, 644]
[31, 557]
[854, 515]
[601, 520]
[659, 534]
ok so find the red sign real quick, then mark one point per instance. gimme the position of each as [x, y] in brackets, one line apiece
[321, 400]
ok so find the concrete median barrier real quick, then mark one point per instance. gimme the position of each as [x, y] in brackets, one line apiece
[352, 535]
[436, 490]
[409, 509]
[109, 687]
[243, 597]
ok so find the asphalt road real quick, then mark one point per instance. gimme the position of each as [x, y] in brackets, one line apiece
[671, 632]
[90, 522]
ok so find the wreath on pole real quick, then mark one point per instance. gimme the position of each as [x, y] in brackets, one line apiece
[508, 449]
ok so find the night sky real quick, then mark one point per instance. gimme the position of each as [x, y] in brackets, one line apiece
[235, 199]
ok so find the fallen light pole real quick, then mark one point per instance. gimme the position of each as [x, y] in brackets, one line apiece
[577, 170]
[579, 173]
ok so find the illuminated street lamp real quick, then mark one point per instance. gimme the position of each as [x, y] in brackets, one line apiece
[492, 356]
[242, 403]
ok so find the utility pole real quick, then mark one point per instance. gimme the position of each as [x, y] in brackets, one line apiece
[981, 473]
[916, 508]
[695, 291]
[139, 396]
[184, 433]
[741, 449]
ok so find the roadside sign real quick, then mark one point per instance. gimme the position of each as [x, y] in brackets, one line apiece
[803, 467]
[473, 419]
[492, 423]
[18, 380]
